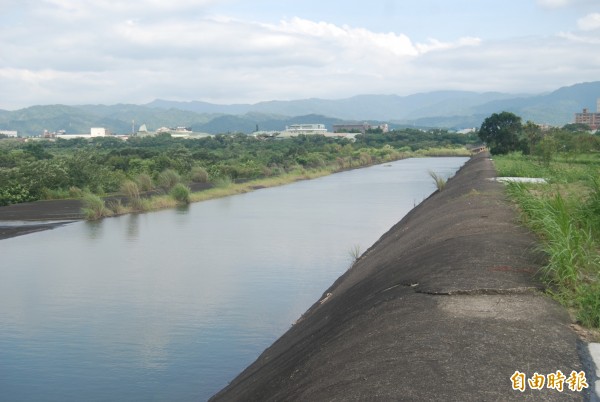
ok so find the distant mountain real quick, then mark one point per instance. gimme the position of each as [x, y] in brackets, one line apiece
[556, 108]
[361, 107]
[447, 109]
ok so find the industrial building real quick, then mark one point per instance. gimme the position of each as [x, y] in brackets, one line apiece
[591, 119]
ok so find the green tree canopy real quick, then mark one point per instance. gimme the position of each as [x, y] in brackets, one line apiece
[502, 132]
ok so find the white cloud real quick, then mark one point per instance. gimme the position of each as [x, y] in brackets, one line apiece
[83, 51]
[590, 22]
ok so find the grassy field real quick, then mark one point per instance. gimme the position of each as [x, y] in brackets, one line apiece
[565, 214]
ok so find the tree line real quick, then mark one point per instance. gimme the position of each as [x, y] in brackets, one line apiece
[62, 168]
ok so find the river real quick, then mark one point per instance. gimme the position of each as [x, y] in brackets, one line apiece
[172, 305]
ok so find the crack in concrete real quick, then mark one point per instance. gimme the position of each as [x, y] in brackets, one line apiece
[481, 291]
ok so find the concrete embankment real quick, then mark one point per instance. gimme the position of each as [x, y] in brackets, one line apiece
[445, 306]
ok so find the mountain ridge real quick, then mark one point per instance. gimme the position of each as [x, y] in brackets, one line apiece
[438, 109]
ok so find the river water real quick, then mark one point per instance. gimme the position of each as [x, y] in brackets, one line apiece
[172, 305]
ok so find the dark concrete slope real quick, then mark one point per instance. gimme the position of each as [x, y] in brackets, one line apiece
[443, 307]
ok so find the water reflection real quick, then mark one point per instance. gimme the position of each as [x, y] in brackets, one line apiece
[133, 226]
[94, 229]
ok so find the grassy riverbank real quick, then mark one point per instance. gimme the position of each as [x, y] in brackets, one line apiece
[565, 213]
[223, 187]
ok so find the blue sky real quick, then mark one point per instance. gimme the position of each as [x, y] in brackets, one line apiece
[232, 51]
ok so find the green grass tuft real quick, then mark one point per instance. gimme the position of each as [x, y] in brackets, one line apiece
[181, 193]
[440, 182]
[94, 207]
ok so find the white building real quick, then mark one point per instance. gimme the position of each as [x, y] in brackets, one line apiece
[305, 129]
[94, 132]
[9, 133]
[99, 132]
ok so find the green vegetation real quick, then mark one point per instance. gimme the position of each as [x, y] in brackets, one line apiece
[45, 169]
[181, 193]
[565, 213]
[94, 208]
[503, 133]
[440, 182]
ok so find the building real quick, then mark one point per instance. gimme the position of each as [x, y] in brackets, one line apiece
[359, 128]
[99, 132]
[306, 129]
[9, 133]
[94, 132]
[591, 119]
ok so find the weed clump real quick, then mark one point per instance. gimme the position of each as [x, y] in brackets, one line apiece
[181, 193]
[167, 179]
[440, 182]
[94, 207]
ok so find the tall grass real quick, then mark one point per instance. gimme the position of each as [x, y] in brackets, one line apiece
[167, 179]
[573, 267]
[440, 182]
[199, 175]
[145, 182]
[181, 193]
[94, 207]
[131, 190]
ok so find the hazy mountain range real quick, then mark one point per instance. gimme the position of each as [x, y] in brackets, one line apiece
[446, 109]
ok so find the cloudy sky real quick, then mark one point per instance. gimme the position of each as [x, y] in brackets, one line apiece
[242, 51]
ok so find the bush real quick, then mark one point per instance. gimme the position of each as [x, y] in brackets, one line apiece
[223, 182]
[144, 182]
[167, 179]
[181, 193]
[199, 175]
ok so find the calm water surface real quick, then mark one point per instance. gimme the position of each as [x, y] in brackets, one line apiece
[171, 305]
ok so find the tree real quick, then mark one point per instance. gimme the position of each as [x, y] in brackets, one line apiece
[502, 132]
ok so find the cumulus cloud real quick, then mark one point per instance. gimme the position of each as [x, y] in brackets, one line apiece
[590, 22]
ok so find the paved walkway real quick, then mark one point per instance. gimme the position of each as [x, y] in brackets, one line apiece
[444, 307]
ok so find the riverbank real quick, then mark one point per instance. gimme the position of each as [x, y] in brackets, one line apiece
[30, 217]
[445, 306]
[49, 214]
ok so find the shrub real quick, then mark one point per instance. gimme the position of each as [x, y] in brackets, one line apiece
[54, 194]
[168, 178]
[181, 193]
[144, 182]
[199, 175]
[223, 182]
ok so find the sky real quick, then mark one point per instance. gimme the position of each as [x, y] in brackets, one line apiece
[240, 51]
